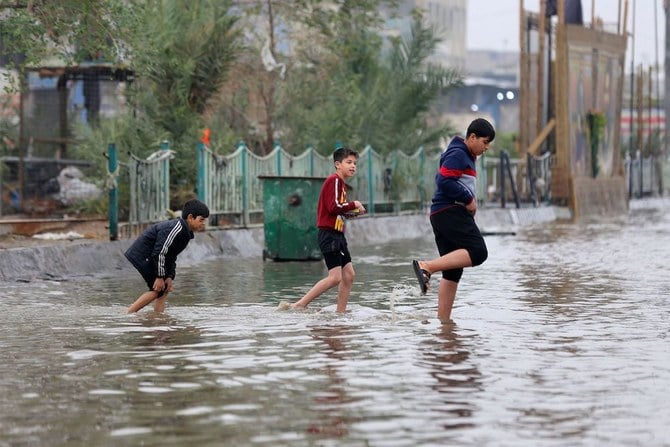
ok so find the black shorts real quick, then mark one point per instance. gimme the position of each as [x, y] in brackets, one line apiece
[333, 245]
[455, 228]
[146, 269]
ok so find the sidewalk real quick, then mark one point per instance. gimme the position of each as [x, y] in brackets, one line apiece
[20, 233]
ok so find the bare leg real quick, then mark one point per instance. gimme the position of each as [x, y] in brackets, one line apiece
[334, 278]
[445, 299]
[142, 301]
[343, 291]
[159, 304]
[456, 259]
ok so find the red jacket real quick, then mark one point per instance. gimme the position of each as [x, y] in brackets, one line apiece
[333, 204]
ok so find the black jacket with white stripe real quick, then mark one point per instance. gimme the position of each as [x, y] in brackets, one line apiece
[160, 243]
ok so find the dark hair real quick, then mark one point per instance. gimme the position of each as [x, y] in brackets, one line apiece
[481, 128]
[343, 152]
[195, 208]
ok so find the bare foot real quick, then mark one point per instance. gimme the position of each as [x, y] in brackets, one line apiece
[284, 305]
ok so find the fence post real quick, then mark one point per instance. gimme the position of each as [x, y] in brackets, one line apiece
[245, 196]
[202, 174]
[311, 160]
[371, 188]
[641, 174]
[112, 172]
[394, 171]
[503, 193]
[422, 169]
[277, 147]
[531, 178]
[165, 175]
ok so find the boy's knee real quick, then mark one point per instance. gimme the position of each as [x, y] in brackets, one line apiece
[479, 255]
[334, 278]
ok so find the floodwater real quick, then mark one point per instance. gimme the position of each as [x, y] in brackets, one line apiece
[560, 339]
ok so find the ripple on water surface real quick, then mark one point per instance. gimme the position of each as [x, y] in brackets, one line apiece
[560, 339]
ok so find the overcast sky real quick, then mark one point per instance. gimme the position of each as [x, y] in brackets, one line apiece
[494, 24]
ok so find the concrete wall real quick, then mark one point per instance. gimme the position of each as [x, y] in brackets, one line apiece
[73, 259]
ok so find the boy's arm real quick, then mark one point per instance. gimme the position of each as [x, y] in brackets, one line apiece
[171, 267]
[165, 264]
[331, 195]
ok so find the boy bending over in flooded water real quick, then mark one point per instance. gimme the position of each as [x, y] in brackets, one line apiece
[154, 253]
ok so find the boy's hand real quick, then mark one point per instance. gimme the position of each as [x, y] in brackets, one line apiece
[159, 285]
[472, 207]
[360, 207]
[168, 284]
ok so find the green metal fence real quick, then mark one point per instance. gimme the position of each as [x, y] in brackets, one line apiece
[230, 184]
[149, 187]
[231, 187]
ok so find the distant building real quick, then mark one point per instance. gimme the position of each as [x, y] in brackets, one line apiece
[498, 66]
[496, 101]
[491, 89]
[448, 18]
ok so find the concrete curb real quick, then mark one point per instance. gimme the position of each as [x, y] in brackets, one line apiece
[76, 259]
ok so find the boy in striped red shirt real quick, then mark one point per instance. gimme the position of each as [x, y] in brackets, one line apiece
[333, 210]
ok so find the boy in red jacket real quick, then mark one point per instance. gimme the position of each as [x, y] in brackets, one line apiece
[332, 211]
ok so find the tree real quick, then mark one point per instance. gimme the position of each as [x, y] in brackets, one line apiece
[365, 95]
[67, 30]
[199, 64]
[288, 43]
[181, 52]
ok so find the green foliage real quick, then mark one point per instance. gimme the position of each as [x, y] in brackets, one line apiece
[183, 52]
[9, 133]
[504, 141]
[191, 47]
[89, 207]
[70, 31]
[198, 66]
[365, 96]
[596, 122]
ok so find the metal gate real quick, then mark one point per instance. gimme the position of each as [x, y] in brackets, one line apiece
[149, 187]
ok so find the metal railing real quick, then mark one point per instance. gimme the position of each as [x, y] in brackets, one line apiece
[149, 187]
[229, 184]
[231, 187]
[645, 176]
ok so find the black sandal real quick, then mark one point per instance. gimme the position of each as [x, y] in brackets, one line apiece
[422, 276]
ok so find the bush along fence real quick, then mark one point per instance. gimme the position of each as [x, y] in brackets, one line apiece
[231, 187]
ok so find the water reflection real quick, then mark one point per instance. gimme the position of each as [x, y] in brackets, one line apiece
[448, 358]
[164, 330]
[560, 339]
[331, 418]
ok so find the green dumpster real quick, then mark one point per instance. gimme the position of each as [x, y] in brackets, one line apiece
[289, 209]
